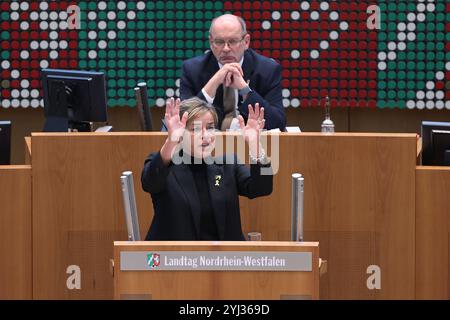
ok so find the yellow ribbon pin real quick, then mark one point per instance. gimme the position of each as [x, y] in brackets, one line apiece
[218, 178]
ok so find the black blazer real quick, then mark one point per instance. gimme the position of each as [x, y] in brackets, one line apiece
[176, 203]
[265, 81]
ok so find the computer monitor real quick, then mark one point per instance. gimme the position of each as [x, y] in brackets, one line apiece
[73, 99]
[435, 143]
[5, 142]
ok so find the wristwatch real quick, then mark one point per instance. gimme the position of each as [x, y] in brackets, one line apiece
[263, 160]
[244, 91]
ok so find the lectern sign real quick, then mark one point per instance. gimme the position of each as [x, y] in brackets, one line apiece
[215, 261]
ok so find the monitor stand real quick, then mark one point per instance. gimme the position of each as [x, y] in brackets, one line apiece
[62, 124]
[447, 158]
[56, 124]
[80, 126]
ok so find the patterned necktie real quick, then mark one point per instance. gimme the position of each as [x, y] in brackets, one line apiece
[229, 107]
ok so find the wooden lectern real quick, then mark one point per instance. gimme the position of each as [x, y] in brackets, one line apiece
[206, 270]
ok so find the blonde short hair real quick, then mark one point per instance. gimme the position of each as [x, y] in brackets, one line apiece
[196, 107]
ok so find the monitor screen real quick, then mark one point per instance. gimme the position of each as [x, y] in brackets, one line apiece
[5, 142]
[435, 143]
[72, 96]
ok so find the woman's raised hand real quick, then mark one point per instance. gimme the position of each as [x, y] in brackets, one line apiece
[255, 123]
[252, 130]
[175, 125]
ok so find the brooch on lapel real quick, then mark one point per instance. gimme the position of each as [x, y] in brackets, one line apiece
[218, 178]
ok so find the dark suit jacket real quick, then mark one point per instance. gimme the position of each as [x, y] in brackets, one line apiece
[176, 204]
[265, 81]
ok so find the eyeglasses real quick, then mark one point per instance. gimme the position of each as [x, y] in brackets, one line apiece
[232, 43]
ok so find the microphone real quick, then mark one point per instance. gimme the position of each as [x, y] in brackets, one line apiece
[145, 107]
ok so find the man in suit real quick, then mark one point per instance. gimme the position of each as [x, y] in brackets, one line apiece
[231, 76]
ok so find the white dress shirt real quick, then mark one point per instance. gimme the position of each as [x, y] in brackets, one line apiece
[235, 123]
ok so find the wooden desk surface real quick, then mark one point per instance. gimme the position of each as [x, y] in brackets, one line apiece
[27, 150]
[135, 245]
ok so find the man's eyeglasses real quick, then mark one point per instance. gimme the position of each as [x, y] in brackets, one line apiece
[232, 43]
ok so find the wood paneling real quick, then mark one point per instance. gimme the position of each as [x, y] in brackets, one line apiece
[15, 233]
[78, 209]
[228, 285]
[432, 232]
[359, 204]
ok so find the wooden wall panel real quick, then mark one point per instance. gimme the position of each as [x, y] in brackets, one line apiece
[15, 233]
[432, 232]
[359, 203]
[78, 209]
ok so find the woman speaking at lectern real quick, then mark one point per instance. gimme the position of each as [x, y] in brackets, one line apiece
[195, 196]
